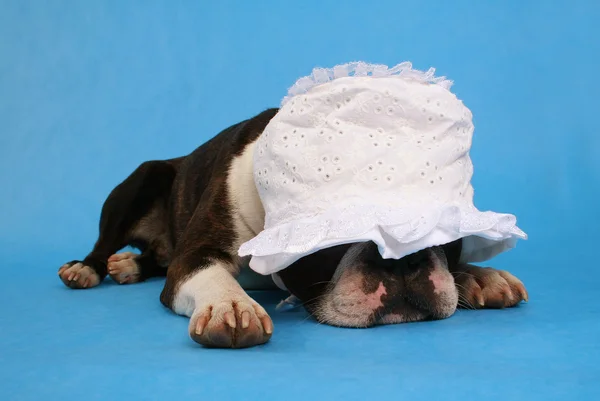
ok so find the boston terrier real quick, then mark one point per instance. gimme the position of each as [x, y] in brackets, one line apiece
[189, 215]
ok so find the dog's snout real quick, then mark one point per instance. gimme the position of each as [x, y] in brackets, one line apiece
[430, 286]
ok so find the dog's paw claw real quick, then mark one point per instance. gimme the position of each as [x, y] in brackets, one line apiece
[245, 319]
[201, 324]
[267, 324]
[230, 319]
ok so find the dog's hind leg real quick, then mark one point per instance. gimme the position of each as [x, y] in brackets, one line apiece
[126, 219]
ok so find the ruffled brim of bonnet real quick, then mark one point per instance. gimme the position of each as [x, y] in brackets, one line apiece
[484, 234]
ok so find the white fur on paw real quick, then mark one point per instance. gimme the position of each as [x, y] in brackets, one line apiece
[78, 275]
[231, 323]
[123, 268]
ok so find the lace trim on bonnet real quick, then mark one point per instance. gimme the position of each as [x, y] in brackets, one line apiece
[321, 76]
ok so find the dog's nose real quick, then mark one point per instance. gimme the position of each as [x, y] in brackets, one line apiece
[429, 284]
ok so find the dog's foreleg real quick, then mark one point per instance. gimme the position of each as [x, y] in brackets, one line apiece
[221, 313]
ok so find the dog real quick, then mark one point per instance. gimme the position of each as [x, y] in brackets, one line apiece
[189, 215]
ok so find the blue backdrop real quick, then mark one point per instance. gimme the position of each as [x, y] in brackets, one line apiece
[88, 90]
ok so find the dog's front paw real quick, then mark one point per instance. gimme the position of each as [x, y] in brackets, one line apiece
[484, 287]
[77, 275]
[231, 323]
[123, 268]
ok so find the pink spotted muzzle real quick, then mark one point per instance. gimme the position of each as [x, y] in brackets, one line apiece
[367, 290]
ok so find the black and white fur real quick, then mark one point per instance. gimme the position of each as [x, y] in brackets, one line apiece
[188, 216]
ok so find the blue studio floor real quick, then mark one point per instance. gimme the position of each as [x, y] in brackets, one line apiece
[118, 343]
[91, 89]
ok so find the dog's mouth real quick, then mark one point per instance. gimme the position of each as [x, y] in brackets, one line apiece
[401, 312]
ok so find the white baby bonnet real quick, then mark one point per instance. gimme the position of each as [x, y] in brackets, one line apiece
[361, 153]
